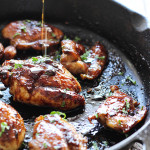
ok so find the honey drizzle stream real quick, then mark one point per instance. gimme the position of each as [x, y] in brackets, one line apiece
[44, 39]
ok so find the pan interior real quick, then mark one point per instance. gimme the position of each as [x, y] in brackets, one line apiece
[94, 91]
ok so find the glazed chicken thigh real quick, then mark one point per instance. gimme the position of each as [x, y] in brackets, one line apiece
[12, 129]
[119, 112]
[52, 132]
[27, 34]
[43, 82]
[88, 64]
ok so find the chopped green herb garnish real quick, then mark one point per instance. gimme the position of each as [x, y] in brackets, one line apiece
[34, 59]
[58, 113]
[67, 89]
[17, 66]
[142, 108]
[116, 109]
[53, 34]
[57, 55]
[127, 104]
[121, 73]
[85, 55]
[45, 145]
[37, 134]
[124, 111]
[105, 143]
[45, 116]
[133, 81]
[63, 104]
[76, 39]
[39, 24]
[52, 121]
[23, 28]
[16, 34]
[28, 21]
[97, 57]
[119, 122]
[96, 115]
[62, 46]
[4, 126]
[95, 145]
[122, 84]
[65, 37]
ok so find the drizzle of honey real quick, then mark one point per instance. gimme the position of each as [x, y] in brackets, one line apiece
[44, 39]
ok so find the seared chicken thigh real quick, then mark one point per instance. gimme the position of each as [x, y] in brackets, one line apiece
[27, 34]
[52, 132]
[12, 129]
[119, 112]
[88, 64]
[43, 82]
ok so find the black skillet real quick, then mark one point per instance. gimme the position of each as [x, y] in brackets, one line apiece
[128, 45]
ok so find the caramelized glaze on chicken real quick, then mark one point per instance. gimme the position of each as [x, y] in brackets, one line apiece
[52, 132]
[89, 64]
[27, 34]
[119, 112]
[12, 129]
[43, 82]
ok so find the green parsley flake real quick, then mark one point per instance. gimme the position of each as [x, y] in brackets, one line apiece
[57, 55]
[124, 111]
[65, 37]
[63, 104]
[23, 28]
[34, 59]
[4, 126]
[39, 24]
[130, 79]
[67, 89]
[45, 145]
[76, 39]
[58, 113]
[53, 34]
[127, 104]
[28, 21]
[16, 34]
[142, 108]
[105, 143]
[121, 73]
[85, 55]
[96, 115]
[97, 57]
[37, 134]
[95, 145]
[119, 122]
[16, 66]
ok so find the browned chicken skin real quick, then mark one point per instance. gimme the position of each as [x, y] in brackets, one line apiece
[9, 52]
[27, 34]
[52, 132]
[94, 59]
[12, 129]
[119, 112]
[1, 51]
[43, 82]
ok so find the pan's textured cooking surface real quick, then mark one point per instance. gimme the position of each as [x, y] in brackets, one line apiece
[119, 71]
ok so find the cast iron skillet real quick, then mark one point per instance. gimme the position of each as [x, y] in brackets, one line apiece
[128, 47]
